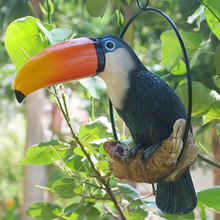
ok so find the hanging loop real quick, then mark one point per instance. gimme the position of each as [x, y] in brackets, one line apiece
[143, 10]
[145, 6]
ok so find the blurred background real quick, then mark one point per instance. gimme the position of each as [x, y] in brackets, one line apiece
[39, 118]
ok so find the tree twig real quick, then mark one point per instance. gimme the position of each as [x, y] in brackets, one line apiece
[136, 199]
[110, 211]
[107, 187]
[208, 161]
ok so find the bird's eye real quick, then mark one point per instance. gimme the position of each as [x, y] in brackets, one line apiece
[110, 45]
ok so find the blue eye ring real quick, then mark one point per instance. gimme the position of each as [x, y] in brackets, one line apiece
[110, 45]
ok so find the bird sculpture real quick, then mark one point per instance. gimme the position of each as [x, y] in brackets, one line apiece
[146, 103]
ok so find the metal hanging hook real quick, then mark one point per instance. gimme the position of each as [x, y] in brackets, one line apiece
[145, 6]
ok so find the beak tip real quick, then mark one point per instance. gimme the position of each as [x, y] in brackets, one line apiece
[19, 96]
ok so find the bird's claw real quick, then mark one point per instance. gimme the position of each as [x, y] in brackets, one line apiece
[149, 151]
[132, 151]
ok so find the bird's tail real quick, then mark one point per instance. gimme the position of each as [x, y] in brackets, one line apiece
[176, 197]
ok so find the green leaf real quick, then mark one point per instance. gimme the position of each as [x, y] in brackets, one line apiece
[214, 5]
[23, 33]
[74, 210]
[102, 165]
[139, 212]
[44, 210]
[64, 188]
[211, 19]
[56, 35]
[214, 112]
[217, 59]
[97, 129]
[120, 18]
[199, 16]
[128, 191]
[209, 197]
[42, 153]
[93, 214]
[75, 163]
[97, 8]
[171, 50]
[107, 217]
[216, 79]
[79, 151]
[42, 8]
[60, 34]
[94, 85]
[199, 11]
[189, 216]
[202, 99]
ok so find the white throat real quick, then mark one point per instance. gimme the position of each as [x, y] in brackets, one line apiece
[115, 75]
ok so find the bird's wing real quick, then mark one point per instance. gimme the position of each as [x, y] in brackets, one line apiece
[160, 97]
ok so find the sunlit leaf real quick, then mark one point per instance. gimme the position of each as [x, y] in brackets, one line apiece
[56, 35]
[43, 153]
[97, 129]
[214, 112]
[42, 8]
[209, 197]
[94, 85]
[23, 33]
[213, 16]
[202, 99]
[199, 16]
[97, 8]
[120, 18]
[171, 50]
[199, 11]
[44, 210]
[79, 152]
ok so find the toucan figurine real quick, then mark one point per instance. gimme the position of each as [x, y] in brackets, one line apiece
[147, 104]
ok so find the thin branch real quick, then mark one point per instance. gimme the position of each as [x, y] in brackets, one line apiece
[64, 101]
[110, 211]
[65, 149]
[22, 49]
[208, 161]
[212, 210]
[136, 199]
[96, 198]
[33, 10]
[98, 175]
[203, 148]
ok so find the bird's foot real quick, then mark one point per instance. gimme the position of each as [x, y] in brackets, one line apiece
[132, 151]
[149, 151]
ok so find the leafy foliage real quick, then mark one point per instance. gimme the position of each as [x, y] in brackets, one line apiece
[87, 189]
[23, 35]
[44, 152]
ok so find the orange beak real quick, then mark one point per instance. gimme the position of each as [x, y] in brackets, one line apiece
[69, 60]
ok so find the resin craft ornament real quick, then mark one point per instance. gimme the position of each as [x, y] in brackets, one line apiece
[146, 103]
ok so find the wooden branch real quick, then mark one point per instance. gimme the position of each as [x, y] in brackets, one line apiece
[162, 164]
